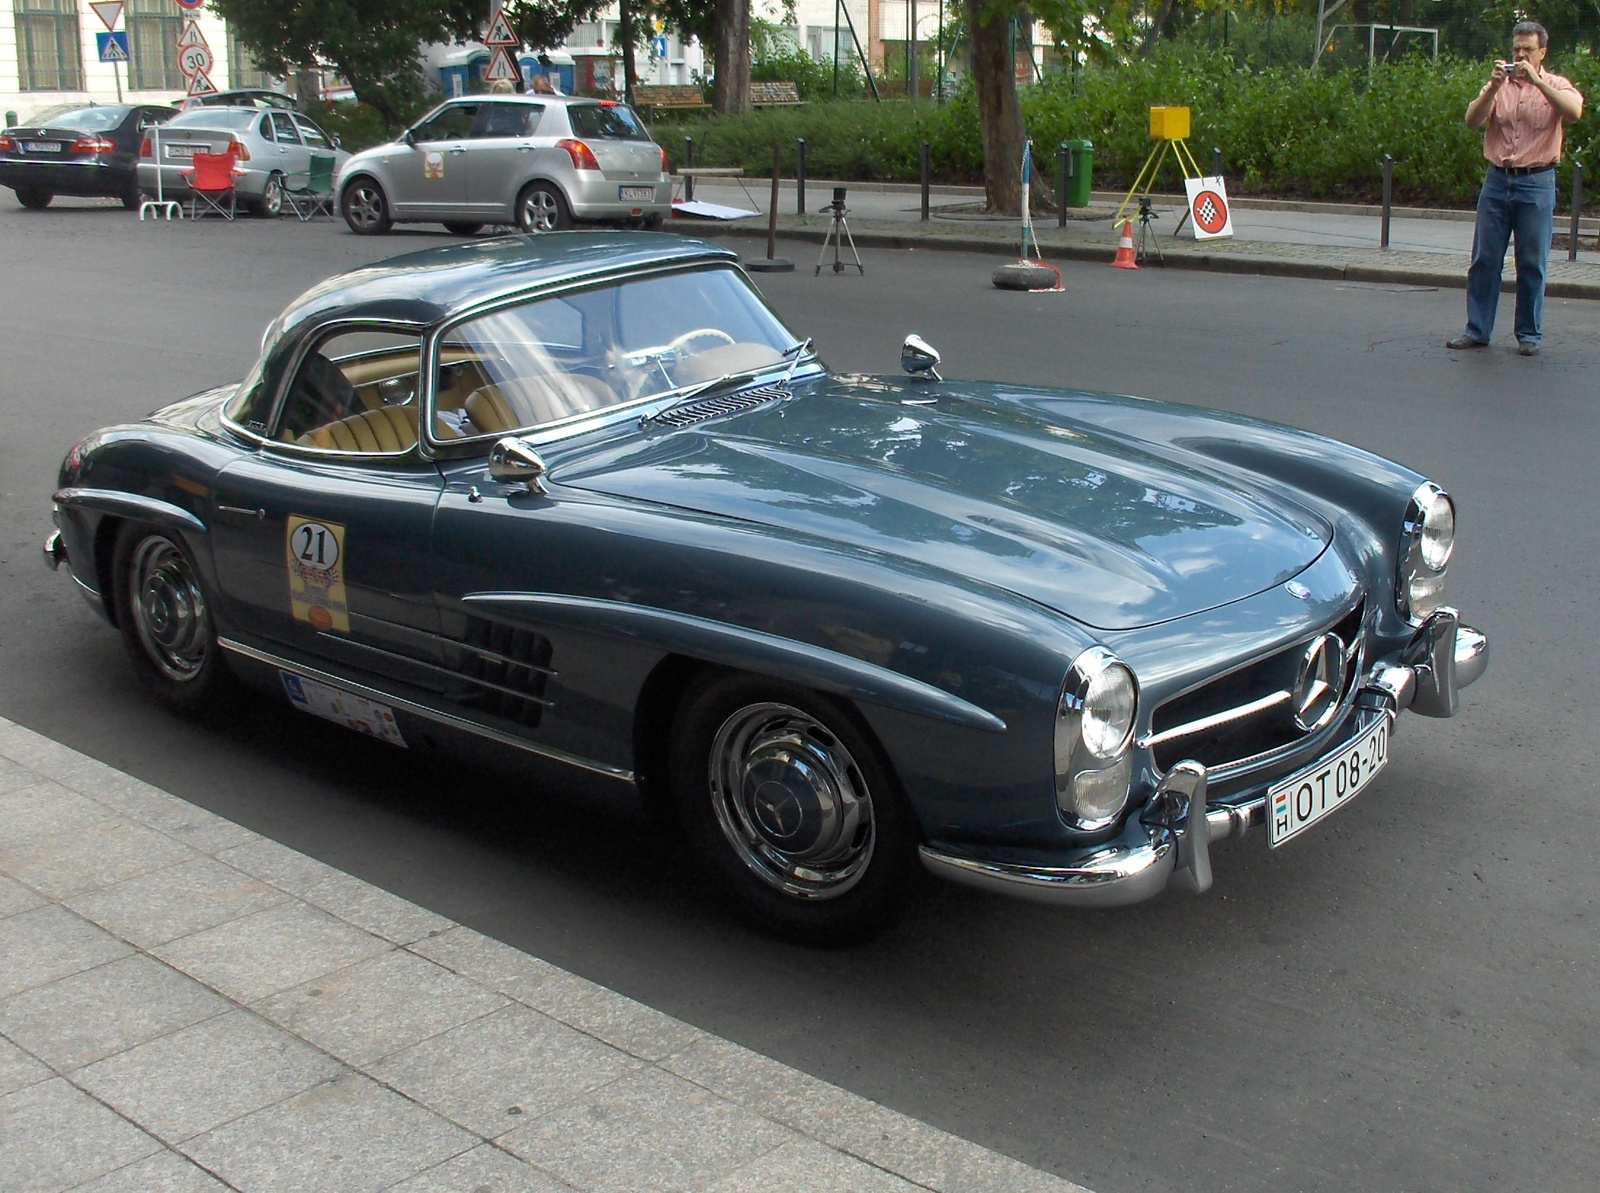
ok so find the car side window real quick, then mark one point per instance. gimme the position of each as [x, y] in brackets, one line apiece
[265, 129]
[509, 120]
[313, 135]
[285, 129]
[449, 124]
[356, 392]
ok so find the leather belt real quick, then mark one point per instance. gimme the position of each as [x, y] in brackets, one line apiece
[1519, 171]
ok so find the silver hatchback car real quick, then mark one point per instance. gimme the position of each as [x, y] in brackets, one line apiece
[540, 162]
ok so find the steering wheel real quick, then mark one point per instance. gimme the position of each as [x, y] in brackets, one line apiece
[676, 345]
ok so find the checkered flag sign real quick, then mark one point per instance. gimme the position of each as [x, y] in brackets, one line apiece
[1208, 208]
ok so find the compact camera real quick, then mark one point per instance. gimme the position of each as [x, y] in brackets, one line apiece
[1510, 69]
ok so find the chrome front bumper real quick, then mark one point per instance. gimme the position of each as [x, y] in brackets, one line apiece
[1443, 658]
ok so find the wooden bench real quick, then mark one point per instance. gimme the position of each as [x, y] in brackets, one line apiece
[679, 97]
[775, 95]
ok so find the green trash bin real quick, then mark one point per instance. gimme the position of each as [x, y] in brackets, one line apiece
[1082, 173]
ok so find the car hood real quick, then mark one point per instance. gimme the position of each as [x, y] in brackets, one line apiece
[1104, 528]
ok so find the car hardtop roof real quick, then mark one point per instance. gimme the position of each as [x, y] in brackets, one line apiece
[430, 286]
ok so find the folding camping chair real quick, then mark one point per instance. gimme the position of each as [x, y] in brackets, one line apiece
[317, 193]
[210, 182]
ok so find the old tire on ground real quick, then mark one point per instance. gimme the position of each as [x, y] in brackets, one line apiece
[461, 228]
[1019, 275]
[33, 198]
[788, 803]
[166, 619]
[541, 208]
[365, 207]
[270, 205]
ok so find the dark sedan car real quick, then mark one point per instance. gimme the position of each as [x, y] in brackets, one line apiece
[584, 498]
[90, 152]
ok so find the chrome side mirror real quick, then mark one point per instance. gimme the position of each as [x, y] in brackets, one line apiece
[513, 462]
[409, 137]
[920, 358]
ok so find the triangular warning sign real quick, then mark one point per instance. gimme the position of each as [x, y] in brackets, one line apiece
[113, 52]
[500, 32]
[501, 68]
[109, 12]
[191, 35]
[201, 84]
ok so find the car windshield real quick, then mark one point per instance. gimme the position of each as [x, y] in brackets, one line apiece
[229, 118]
[606, 120]
[89, 120]
[543, 362]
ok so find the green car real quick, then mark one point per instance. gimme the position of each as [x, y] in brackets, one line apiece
[584, 498]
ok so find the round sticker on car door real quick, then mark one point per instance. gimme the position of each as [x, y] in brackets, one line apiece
[433, 164]
[315, 556]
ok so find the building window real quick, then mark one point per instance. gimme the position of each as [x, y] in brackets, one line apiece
[48, 53]
[242, 69]
[153, 30]
[822, 41]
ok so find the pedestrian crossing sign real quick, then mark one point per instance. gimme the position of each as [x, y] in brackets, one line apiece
[113, 46]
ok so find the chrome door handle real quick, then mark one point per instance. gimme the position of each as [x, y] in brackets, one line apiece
[457, 149]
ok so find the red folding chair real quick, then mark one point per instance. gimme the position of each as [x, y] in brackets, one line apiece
[211, 181]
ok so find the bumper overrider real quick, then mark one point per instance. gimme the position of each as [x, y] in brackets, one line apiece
[1169, 840]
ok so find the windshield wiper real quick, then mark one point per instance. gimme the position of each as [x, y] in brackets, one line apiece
[732, 381]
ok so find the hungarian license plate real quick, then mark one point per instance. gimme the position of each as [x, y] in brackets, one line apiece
[42, 146]
[636, 194]
[181, 150]
[1298, 802]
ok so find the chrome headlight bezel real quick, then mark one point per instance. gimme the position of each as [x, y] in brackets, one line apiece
[1095, 721]
[1427, 542]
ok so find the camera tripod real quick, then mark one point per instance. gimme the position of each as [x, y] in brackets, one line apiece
[1147, 235]
[839, 224]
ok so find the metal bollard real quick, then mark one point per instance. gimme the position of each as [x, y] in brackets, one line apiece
[924, 181]
[688, 163]
[1063, 172]
[1216, 161]
[1577, 206]
[800, 179]
[1388, 187]
[11, 119]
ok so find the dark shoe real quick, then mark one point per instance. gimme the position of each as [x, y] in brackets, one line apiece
[1464, 341]
[1527, 348]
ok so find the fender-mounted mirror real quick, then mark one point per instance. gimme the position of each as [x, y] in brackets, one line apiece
[513, 462]
[920, 358]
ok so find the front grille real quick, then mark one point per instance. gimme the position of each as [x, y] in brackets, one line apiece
[505, 669]
[699, 411]
[1247, 713]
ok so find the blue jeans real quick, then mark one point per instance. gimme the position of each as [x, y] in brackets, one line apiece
[1526, 205]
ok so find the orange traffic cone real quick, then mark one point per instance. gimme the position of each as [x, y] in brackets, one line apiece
[1124, 258]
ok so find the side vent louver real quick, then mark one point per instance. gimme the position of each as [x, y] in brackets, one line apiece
[506, 669]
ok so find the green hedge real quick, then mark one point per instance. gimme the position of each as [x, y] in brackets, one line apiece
[1286, 131]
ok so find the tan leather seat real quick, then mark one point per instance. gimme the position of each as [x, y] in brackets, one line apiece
[388, 430]
[533, 401]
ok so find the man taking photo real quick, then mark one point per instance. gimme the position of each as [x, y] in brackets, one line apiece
[1521, 111]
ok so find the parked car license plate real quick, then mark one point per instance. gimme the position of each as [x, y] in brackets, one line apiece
[42, 146]
[636, 194]
[1298, 802]
[181, 150]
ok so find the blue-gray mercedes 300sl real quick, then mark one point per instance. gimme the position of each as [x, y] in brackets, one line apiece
[586, 498]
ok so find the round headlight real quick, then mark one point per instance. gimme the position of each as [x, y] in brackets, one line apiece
[1108, 706]
[1438, 535]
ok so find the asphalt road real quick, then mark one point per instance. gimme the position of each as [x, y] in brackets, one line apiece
[1405, 999]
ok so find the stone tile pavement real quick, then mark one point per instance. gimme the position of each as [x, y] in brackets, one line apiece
[188, 1006]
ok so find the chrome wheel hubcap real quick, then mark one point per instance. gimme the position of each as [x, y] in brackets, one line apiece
[169, 610]
[791, 801]
[366, 208]
[540, 212]
[272, 196]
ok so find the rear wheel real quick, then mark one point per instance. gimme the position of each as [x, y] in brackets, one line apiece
[33, 198]
[270, 205]
[791, 807]
[541, 208]
[459, 228]
[366, 208]
[166, 619]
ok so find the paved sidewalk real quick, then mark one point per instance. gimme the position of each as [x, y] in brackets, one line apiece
[188, 1006]
[1314, 240]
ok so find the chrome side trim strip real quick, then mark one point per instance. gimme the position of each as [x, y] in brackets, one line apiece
[431, 714]
[1227, 716]
[446, 671]
[453, 643]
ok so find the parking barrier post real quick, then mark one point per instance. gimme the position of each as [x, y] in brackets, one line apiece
[1577, 206]
[800, 178]
[1063, 172]
[1216, 161]
[688, 163]
[1388, 187]
[924, 182]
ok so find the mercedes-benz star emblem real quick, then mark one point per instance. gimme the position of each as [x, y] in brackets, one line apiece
[1316, 689]
[777, 810]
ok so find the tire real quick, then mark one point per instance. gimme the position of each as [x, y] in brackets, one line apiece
[270, 205]
[790, 806]
[542, 208]
[133, 196]
[460, 228]
[365, 208]
[167, 620]
[33, 198]
[1023, 276]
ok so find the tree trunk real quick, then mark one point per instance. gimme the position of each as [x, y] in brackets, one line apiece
[1156, 27]
[625, 34]
[307, 88]
[732, 62]
[999, 116]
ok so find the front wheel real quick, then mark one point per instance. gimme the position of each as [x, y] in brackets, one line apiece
[541, 208]
[366, 208]
[33, 198]
[791, 807]
[166, 619]
[270, 205]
